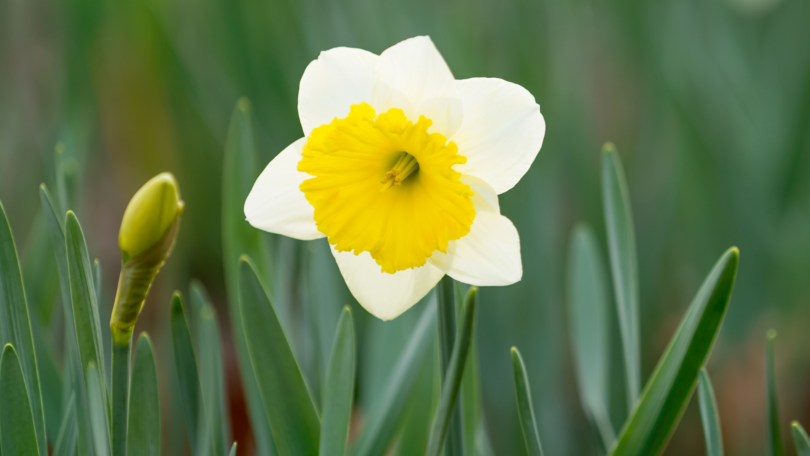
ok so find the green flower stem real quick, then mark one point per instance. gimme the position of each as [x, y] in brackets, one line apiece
[454, 445]
[121, 354]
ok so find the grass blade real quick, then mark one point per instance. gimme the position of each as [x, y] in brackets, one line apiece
[212, 382]
[98, 411]
[800, 439]
[623, 263]
[338, 396]
[709, 415]
[452, 381]
[15, 325]
[239, 238]
[85, 309]
[288, 403]
[18, 434]
[187, 373]
[667, 393]
[588, 320]
[76, 373]
[388, 409]
[774, 435]
[68, 432]
[523, 393]
[143, 434]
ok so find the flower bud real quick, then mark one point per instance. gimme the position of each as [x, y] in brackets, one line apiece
[147, 236]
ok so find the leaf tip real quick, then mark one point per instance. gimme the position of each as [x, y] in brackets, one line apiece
[771, 335]
[243, 104]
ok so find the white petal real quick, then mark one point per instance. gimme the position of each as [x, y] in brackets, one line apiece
[339, 78]
[277, 204]
[490, 254]
[412, 69]
[384, 295]
[501, 132]
[446, 113]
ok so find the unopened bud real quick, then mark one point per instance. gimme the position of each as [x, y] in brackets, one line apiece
[147, 236]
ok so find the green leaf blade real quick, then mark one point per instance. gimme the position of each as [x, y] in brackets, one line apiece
[338, 395]
[709, 415]
[623, 263]
[775, 445]
[528, 422]
[68, 431]
[382, 420]
[452, 381]
[667, 393]
[187, 373]
[239, 238]
[589, 325]
[800, 439]
[143, 433]
[98, 411]
[15, 325]
[17, 429]
[287, 401]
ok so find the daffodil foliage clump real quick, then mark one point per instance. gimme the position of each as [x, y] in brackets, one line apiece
[400, 169]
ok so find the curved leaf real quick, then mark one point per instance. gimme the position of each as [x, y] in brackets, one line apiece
[709, 415]
[288, 403]
[68, 432]
[143, 434]
[98, 411]
[338, 396]
[528, 422]
[800, 439]
[667, 393]
[17, 429]
[15, 325]
[187, 374]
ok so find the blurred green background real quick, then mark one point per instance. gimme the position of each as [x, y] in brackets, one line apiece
[707, 101]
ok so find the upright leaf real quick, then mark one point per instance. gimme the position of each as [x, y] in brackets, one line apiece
[212, 381]
[85, 310]
[233, 450]
[18, 434]
[454, 445]
[623, 263]
[98, 411]
[75, 373]
[588, 320]
[338, 396]
[528, 422]
[15, 325]
[287, 401]
[800, 439]
[709, 415]
[187, 373]
[68, 432]
[775, 446]
[239, 238]
[387, 412]
[667, 393]
[452, 380]
[143, 434]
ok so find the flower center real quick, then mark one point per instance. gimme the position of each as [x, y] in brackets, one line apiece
[384, 185]
[406, 165]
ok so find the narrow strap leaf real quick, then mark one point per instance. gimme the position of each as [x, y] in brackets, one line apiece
[187, 373]
[338, 396]
[623, 263]
[233, 450]
[800, 439]
[18, 435]
[287, 401]
[709, 415]
[775, 446]
[15, 325]
[454, 445]
[239, 172]
[388, 409]
[670, 387]
[143, 437]
[588, 320]
[68, 431]
[452, 381]
[528, 422]
[98, 411]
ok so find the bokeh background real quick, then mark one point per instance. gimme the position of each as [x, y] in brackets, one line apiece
[707, 101]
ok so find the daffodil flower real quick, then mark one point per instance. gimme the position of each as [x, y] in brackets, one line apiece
[400, 167]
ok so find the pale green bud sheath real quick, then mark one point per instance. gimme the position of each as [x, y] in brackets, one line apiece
[148, 233]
